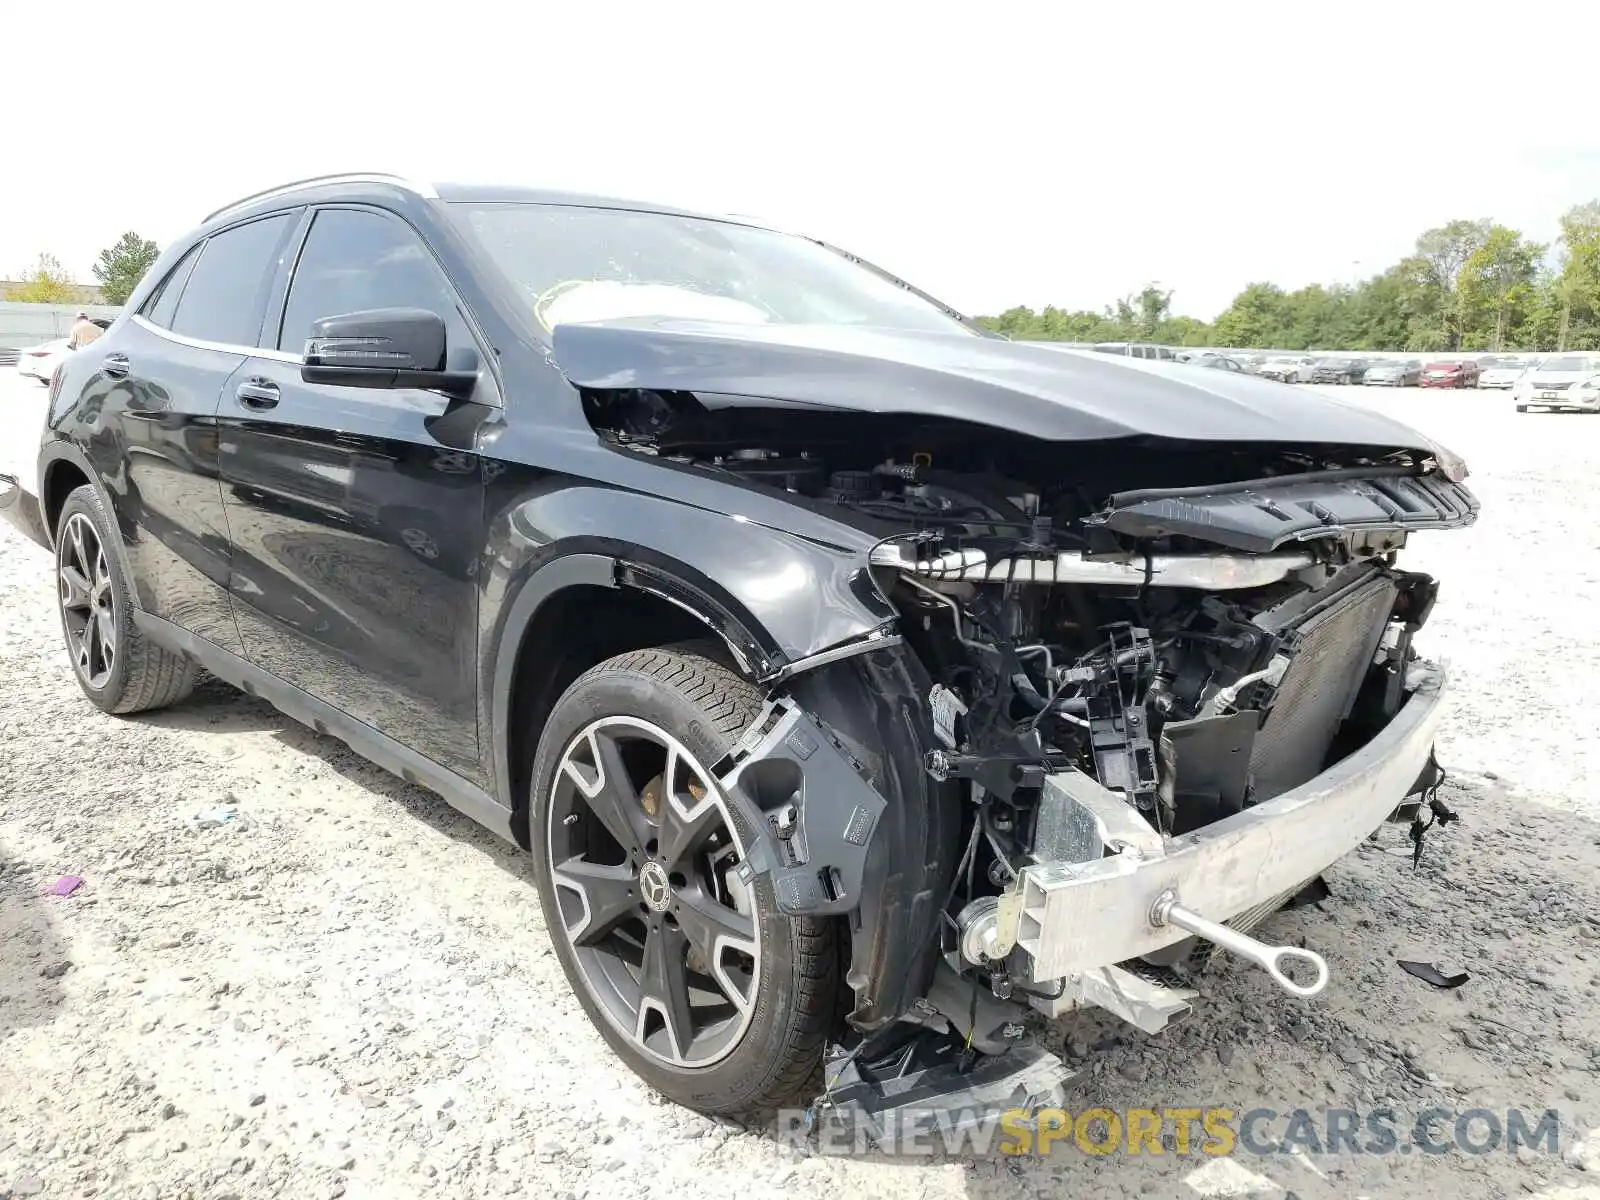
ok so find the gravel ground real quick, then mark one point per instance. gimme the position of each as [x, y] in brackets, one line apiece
[289, 973]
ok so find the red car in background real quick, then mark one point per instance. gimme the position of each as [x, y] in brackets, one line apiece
[1452, 373]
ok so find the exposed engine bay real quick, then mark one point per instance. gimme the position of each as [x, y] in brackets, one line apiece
[1192, 630]
[1182, 657]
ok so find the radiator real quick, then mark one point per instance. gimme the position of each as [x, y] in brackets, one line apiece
[1339, 637]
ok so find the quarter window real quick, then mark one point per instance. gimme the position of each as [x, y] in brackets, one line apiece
[355, 260]
[227, 286]
[163, 301]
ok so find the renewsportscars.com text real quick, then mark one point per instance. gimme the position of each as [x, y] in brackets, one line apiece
[1182, 1131]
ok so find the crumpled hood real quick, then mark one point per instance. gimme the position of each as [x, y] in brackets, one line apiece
[1042, 391]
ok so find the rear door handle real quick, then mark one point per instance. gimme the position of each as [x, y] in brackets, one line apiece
[257, 394]
[115, 365]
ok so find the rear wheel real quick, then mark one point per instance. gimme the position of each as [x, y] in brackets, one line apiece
[118, 668]
[692, 977]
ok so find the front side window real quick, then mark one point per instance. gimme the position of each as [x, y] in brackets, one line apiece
[354, 260]
[573, 263]
[222, 300]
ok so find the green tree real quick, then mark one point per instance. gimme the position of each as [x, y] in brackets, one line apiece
[1258, 316]
[1378, 313]
[1541, 326]
[1496, 285]
[1141, 313]
[1184, 331]
[1441, 253]
[46, 282]
[1578, 282]
[123, 265]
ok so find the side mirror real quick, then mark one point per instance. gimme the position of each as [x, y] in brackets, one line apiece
[383, 348]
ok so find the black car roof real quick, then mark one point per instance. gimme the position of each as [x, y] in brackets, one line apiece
[356, 186]
[478, 193]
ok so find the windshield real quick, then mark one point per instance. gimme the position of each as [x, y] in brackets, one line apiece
[574, 263]
[1567, 364]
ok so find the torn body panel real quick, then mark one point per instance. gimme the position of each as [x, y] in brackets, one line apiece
[1261, 515]
[1037, 391]
[1135, 676]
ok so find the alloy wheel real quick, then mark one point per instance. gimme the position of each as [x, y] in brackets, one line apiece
[88, 602]
[643, 856]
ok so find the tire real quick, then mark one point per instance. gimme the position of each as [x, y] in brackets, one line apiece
[765, 1052]
[118, 668]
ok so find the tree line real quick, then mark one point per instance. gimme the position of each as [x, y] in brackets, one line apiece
[1468, 285]
[118, 271]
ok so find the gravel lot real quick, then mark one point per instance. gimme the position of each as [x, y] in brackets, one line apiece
[346, 989]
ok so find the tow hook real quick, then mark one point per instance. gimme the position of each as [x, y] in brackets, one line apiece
[1167, 911]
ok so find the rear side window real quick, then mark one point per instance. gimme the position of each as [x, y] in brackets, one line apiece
[227, 286]
[354, 260]
[163, 301]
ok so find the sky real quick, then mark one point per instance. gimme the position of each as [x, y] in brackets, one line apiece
[1014, 153]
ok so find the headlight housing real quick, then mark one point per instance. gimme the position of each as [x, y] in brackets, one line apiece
[1451, 464]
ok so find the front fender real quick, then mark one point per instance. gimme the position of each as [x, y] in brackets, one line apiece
[781, 603]
[775, 599]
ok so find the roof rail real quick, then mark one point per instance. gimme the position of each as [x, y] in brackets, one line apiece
[421, 189]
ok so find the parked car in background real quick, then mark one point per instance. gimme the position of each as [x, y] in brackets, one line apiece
[1502, 373]
[1561, 383]
[1220, 362]
[1451, 373]
[1394, 373]
[1287, 369]
[1339, 370]
[1136, 350]
[40, 362]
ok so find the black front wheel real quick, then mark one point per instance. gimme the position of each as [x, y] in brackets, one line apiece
[690, 974]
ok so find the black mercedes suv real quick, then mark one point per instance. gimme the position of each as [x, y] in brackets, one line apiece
[865, 687]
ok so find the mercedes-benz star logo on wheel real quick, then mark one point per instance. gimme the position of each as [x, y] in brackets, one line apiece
[653, 884]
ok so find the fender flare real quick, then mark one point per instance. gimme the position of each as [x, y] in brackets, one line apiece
[62, 451]
[752, 650]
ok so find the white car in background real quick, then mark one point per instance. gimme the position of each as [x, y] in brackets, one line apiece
[1288, 369]
[1561, 383]
[1503, 373]
[40, 362]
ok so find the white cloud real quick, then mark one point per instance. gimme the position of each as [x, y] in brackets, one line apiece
[1015, 153]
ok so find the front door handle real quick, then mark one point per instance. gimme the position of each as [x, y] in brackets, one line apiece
[258, 395]
[115, 365]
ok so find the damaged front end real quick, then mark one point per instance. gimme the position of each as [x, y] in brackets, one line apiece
[1167, 682]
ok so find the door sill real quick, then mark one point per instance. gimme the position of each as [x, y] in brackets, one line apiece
[461, 794]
